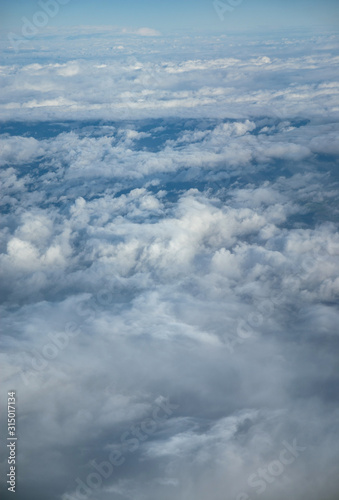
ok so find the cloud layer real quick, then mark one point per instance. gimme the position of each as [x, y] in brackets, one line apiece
[169, 237]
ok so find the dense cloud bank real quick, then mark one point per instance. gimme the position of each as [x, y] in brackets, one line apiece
[169, 266]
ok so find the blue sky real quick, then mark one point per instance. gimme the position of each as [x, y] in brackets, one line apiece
[178, 15]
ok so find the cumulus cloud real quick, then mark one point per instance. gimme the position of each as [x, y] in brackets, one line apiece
[175, 243]
[136, 86]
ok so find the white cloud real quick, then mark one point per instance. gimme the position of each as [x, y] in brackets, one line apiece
[147, 32]
[190, 252]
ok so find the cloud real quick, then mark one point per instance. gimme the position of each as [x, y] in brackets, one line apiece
[140, 84]
[185, 251]
[146, 32]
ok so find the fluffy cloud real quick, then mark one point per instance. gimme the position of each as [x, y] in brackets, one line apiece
[148, 260]
[120, 81]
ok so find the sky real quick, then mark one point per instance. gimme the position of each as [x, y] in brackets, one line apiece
[189, 15]
[169, 253]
